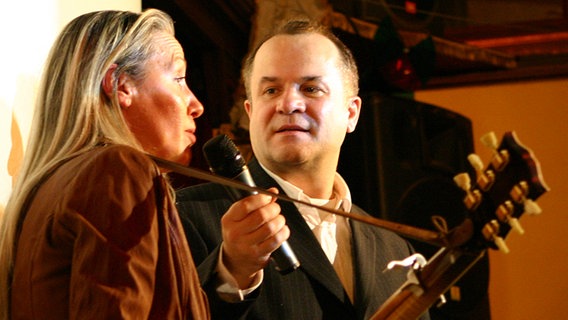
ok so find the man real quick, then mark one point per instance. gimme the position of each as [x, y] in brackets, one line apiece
[302, 99]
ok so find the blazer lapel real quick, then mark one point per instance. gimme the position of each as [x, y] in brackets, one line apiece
[365, 266]
[373, 283]
[313, 260]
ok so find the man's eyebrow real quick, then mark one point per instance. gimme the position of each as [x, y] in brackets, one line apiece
[274, 79]
[311, 78]
[268, 79]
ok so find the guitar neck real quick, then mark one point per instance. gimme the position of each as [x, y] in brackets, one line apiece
[424, 289]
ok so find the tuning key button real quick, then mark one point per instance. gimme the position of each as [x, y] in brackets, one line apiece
[516, 225]
[490, 140]
[500, 243]
[475, 162]
[463, 181]
[531, 207]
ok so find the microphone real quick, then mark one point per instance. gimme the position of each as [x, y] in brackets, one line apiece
[225, 159]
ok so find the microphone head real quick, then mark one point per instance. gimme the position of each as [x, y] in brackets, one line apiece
[223, 156]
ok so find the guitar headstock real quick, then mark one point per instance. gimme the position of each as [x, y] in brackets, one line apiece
[502, 192]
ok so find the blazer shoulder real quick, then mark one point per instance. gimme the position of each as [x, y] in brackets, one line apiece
[383, 236]
[201, 192]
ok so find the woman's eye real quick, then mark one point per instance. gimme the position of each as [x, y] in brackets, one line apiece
[180, 79]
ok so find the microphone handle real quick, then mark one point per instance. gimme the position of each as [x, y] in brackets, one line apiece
[284, 258]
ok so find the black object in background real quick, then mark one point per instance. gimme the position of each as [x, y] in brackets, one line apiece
[399, 164]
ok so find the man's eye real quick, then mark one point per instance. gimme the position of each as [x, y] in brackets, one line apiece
[312, 90]
[270, 91]
[180, 79]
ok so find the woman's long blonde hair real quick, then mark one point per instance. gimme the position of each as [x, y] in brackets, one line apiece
[72, 113]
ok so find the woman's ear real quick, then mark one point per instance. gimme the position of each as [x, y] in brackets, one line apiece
[123, 86]
[108, 80]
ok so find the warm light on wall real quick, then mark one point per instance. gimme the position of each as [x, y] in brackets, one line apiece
[21, 63]
[27, 30]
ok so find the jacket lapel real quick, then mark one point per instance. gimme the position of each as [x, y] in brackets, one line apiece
[313, 260]
[365, 267]
[374, 284]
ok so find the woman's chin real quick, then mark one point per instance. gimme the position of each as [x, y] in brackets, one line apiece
[184, 158]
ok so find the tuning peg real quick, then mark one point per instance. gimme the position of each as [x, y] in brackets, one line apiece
[484, 179]
[463, 181]
[532, 208]
[490, 140]
[519, 194]
[475, 161]
[500, 243]
[501, 158]
[472, 198]
[516, 225]
[491, 233]
[505, 214]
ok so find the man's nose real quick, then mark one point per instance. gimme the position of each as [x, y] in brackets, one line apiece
[291, 101]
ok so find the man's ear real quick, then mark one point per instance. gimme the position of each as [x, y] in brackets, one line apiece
[248, 107]
[354, 110]
[124, 87]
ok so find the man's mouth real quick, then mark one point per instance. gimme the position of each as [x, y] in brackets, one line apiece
[288, 128]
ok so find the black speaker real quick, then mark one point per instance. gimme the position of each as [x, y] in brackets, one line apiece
[400, 163]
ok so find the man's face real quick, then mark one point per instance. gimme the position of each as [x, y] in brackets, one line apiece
[299, 112]
[162, 109]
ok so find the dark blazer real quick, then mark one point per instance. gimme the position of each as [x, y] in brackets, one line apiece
[314, 290]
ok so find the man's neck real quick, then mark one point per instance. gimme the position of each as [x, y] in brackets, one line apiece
[315, 181]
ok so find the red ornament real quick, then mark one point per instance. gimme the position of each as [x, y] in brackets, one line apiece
[410, 7]
[401, 74]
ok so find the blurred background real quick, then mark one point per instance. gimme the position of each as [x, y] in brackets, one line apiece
[435, 76]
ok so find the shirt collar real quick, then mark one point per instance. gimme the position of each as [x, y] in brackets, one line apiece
[340, 191]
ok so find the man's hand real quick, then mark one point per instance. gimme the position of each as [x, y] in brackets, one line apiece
[252, 229]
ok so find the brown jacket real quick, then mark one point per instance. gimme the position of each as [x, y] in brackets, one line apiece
[102, 240]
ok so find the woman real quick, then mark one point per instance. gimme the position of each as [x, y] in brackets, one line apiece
[91, 230]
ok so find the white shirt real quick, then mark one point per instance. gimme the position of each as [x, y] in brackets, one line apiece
[332, 231]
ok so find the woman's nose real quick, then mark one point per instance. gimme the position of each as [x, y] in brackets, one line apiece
[195, 108]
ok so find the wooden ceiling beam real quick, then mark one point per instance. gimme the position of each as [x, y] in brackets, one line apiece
[219, 30]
